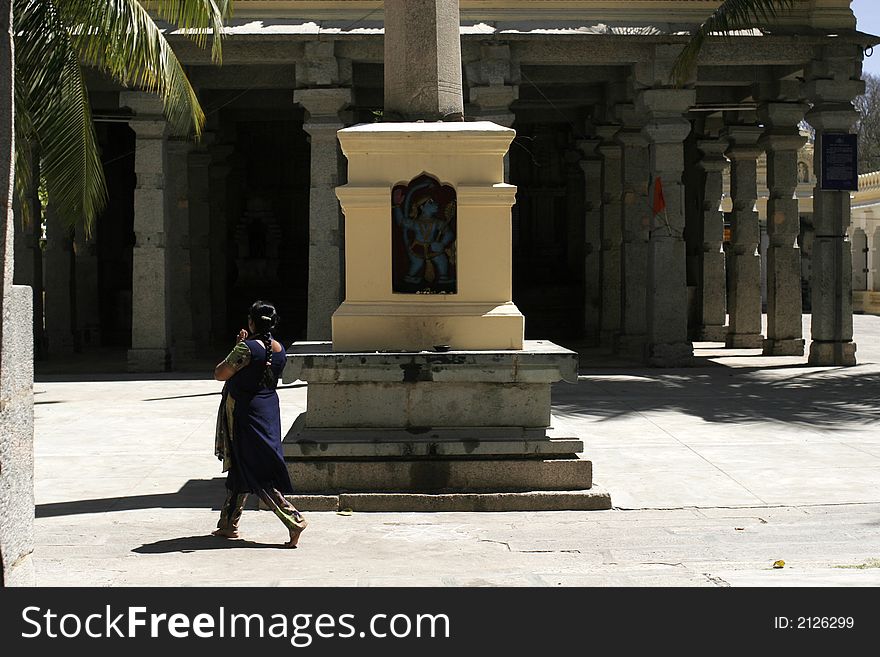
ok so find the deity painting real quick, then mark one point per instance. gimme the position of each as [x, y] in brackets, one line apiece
[423, 237]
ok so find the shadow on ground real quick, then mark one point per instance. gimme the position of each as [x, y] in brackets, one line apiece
[828, 399]
[194, 494]
[186, 544]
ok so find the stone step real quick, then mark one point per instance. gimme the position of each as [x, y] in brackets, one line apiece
[593, 499]
[308, 443]
[440, 475]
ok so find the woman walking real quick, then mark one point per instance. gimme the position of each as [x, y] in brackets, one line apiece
[249, 426]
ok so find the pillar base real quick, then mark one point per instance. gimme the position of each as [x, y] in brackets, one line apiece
[149, 360]
[679, 354]
[744, 341]
[405, 423]
[712, 333]
[420, 326]
[792, 347]
[832, 353]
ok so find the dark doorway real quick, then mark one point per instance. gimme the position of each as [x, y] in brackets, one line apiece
[114, 234]
[548, 231]
[267, 222]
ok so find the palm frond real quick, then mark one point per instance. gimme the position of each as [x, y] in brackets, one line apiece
[120, 38]
[732, 15]
[53, 112]
[198, 17]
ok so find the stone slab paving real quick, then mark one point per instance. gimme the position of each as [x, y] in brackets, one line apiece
[715, 472]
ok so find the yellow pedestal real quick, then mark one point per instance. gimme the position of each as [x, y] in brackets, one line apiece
[470, 158]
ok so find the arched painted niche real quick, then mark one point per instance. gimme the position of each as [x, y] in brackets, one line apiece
[424, 233]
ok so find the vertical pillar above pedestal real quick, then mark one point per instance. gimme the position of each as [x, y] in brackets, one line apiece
[744, 302]
[782, 141]
[612, 232]
[591, 165]
[712, 288]
[479, 312]
[150, 338]
[831, 85]
[423, 60]
[325, 227]
[667, 306]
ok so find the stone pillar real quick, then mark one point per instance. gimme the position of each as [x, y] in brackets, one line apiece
[200, 241]
[782, 141]
[325, 218]
[58, 288]
[150, 321]
[16, 357]
[591, 165]
[182, 344]
[832, 83]
[636, 221]
[219, 175]
[493, 89]
[88, 309]
[612, 232]
[667, 305]
[744, 304]
[712, 288]
[422, 60]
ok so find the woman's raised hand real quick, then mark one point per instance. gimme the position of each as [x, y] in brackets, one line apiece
[242, 335]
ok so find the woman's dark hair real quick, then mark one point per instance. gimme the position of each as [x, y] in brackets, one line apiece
[264, 317]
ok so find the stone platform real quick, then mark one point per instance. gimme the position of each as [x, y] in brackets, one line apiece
[441, 430]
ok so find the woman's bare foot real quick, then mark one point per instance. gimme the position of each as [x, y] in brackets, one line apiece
[294, 533]
[225, 533]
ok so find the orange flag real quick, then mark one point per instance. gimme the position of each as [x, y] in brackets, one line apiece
[659, 202]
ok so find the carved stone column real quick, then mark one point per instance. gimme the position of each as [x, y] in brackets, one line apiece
[712, 287]
[667, 307]
[150, 335]
[636, 220]
[325, 217]
[832, 83]
[591, 166]
[782, 141]
[612, 232]
[744, 304]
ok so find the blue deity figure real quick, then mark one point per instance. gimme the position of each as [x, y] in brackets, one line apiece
[427, 232]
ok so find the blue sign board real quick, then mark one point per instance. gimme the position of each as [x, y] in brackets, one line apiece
[840, 162]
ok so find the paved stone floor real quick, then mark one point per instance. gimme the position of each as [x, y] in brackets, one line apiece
[715, 473]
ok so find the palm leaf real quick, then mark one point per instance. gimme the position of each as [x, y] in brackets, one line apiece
[53, 112]
[198, 16]
[732, 15]
[120, 38]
